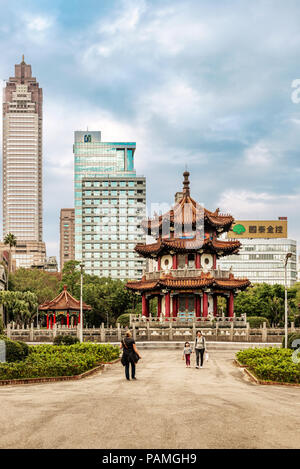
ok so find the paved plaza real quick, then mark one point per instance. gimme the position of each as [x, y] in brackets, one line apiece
[169, 406]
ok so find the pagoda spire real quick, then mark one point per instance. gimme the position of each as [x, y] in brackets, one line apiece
[186, 183]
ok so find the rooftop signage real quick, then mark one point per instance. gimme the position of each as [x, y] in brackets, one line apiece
[259, 229]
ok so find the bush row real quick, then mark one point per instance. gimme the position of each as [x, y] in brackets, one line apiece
[53, 360]
[271, 364]
[15, 350]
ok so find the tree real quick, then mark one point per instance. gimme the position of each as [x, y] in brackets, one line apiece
[11, 240]
[21, 307]
[45, 285]
[71, 278]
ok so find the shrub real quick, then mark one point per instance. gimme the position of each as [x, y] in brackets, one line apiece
[65, 340]
[291, 337]
[14, 350]
[257, 321]
[24, 347]
[271, 364]
[52, 360]
[123, 319]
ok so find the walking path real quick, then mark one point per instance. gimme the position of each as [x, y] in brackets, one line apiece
[169, 406]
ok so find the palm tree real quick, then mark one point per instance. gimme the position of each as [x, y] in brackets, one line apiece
[11, 240]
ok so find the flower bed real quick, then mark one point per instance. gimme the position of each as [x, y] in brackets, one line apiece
[53, 361]
[271, 364]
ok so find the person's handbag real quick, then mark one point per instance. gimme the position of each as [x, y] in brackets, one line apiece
[134, 356]
[206, 356]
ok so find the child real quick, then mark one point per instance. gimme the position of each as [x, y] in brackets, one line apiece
[187, 350]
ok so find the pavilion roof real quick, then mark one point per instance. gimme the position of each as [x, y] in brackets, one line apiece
[187, 245]
[186, 211]
[206, 280]
[64, 301]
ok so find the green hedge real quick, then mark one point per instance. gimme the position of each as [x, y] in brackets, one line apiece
[15, 350]
[63, 360]
[257, 321]
[61, 339]
[123, 319]
[271, 364]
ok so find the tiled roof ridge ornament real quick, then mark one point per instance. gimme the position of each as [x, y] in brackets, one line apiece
[186, 183]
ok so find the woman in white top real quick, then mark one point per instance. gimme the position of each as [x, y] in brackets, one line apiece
[199, 348]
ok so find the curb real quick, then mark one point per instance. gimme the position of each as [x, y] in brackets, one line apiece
[51, 379]
[261, 381]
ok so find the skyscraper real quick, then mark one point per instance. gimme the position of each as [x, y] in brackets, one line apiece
[110, 202]
[22, 159]
[67, 235]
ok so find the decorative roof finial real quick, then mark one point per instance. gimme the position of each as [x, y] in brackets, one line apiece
[186, 183]
[23, 61]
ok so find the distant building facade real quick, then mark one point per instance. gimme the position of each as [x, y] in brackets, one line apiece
[48, 265]
[22, 158]
[262, 254]
[67, 236]
[110, 203]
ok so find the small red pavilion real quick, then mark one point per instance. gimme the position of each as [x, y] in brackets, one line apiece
[182, 264]
[64, 307]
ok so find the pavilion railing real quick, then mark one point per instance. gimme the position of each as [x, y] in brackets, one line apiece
[151, 331]
[187, 272]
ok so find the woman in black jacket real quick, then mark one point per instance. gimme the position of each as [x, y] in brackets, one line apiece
[130, 355]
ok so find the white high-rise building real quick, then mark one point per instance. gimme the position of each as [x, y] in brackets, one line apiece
[22, 159]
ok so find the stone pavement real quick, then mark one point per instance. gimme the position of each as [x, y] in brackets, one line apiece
[169, 406]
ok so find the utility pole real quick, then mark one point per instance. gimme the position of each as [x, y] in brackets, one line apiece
[81, 312]
[289, 254]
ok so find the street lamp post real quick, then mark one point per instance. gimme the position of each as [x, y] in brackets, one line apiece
[81, 312]
[289, 254]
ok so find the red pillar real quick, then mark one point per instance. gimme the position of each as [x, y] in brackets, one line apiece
[167, 305]
[198, 306]
[174, 301]
[174, 259]
[47, 321]
[158, 264]
[215, 305]
[51, 326]
[54, 319]
[159, 306]
[231, 305]
[68, 319]
[186, 260]
[205, 305]
[198, 261]
[145, 310]
[79, 317]
[215, 262]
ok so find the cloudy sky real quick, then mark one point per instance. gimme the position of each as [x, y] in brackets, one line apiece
[211, 84]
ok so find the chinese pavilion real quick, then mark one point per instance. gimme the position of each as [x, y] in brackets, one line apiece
[182, 264]
[64, 308]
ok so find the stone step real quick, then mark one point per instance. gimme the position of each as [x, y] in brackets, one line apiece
[210, 345]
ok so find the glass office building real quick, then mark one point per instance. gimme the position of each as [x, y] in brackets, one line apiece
[262, 260]
[110, 203]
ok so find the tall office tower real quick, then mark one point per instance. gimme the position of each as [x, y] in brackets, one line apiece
[110, 203]
[22, 158]
[67, 235]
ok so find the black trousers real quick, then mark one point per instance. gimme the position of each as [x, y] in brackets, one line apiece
[199, 353]
[132, 369]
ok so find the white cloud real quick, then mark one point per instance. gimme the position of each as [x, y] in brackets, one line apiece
[258, 155]
[244, 204]
[38, 23]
